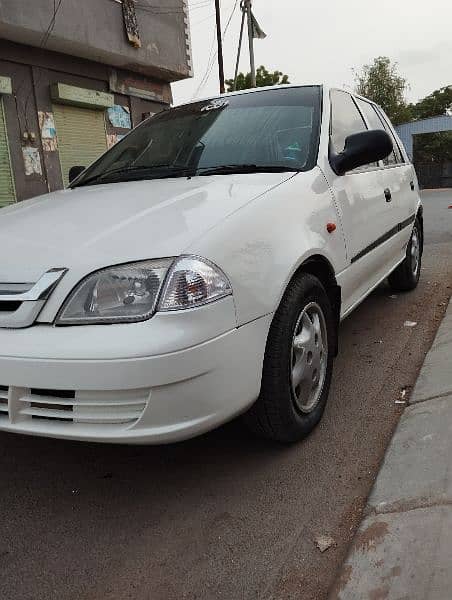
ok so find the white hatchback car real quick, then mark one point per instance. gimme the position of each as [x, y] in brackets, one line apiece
[199, 269]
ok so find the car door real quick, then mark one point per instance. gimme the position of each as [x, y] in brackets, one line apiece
[397, 175]
[404, 181]
[367, 217]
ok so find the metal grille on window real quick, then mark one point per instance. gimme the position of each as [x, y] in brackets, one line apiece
[81, 136]
[7, 190]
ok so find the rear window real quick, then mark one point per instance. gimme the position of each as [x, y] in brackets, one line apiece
[376, 121]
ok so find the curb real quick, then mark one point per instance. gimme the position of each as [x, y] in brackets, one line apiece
[403, 547]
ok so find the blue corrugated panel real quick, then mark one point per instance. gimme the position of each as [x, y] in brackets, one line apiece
[432, 125]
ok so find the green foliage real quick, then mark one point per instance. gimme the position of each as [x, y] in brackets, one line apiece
[433, 147]
[263, 78]
[381, 82]
[435, 104]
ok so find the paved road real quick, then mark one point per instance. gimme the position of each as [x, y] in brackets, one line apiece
[223, 516]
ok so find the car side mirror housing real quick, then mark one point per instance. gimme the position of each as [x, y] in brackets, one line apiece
[361, 149]
[74, 172]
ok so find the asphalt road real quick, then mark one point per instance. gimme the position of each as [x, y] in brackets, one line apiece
[223, 516]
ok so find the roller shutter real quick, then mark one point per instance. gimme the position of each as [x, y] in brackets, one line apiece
[81, 136]
[7, 191]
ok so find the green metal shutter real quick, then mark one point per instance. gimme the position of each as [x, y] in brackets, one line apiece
[81, 136]
[7, 190]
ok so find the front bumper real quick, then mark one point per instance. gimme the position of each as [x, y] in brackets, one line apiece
[155, 399]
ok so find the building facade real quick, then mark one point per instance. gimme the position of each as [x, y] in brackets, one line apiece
[75, 76]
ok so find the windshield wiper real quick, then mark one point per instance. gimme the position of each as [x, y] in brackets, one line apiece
[168, 171]
[245, 168]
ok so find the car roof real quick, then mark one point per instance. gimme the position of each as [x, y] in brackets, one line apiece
[326, 87]
[248, 91]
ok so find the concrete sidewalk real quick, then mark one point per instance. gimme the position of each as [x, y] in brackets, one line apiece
[403, 548]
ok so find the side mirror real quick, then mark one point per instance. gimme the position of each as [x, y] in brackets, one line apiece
[74, 172]
[361, 149]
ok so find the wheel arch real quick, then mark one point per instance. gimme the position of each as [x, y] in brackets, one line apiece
[320, 267]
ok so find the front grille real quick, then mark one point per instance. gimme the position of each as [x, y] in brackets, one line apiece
[21, 303]
[67, 406]
[3, 400]
[48, 404]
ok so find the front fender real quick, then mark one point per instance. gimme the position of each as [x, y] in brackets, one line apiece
[262, 245]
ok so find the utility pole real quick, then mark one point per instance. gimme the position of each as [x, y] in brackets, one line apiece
[220, 47]
[251, 42]
[239, 50]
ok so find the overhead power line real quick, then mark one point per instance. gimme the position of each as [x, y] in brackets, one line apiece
[212, 55]
[51, 26]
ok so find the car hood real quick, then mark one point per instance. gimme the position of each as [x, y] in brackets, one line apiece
[92, 227]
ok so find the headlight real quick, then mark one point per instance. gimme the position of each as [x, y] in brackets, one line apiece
[130, 293]
[122, 294]
[191, 282]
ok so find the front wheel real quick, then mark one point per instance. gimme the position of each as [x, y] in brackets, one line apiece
[406, 276]
[298, 364]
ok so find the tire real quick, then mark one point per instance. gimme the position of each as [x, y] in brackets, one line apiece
[406, 276]
[304, 321]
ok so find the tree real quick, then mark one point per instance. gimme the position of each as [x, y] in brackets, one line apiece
[437, 103]
[433, 147]
[263, 79]
[381, 82]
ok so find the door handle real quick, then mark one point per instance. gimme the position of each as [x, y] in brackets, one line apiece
[388, 195]
[412, 186]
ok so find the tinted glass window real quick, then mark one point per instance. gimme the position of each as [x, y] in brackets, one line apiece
[397, 151]
[345, 119]
[370, 114]
[275, 128]
[374, 121]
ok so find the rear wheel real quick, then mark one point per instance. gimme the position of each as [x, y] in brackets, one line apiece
[298, 364]
[406, 276]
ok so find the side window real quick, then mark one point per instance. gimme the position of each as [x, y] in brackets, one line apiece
[397, 151]
[345, 119]
[378, 120]
[375, 122]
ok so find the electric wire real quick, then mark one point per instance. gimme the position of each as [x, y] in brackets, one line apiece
[51, 25]
[213, 57]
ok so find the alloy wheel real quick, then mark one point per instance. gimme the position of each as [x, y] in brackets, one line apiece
[309, 358]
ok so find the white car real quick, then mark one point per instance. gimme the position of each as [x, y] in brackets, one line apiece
[199, 269]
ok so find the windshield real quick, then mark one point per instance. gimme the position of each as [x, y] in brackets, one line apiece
[272, 130]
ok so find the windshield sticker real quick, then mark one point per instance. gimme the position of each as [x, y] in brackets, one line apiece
[215, 105]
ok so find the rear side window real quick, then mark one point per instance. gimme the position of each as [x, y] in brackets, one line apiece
[345, 119]
[376, 121]
[397, 151]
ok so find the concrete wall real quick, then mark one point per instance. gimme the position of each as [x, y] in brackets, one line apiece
[94, 30]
